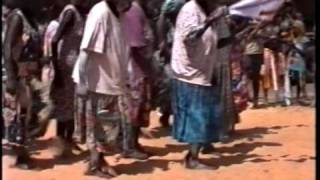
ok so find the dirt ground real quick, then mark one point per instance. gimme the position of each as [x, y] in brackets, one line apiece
[274, 143]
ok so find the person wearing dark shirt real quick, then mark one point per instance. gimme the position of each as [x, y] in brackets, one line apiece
[70, 31]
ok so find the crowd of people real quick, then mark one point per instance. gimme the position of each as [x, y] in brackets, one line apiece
[100, 69]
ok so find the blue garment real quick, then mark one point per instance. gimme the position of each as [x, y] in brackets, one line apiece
[197, 113]
[298, 63]
[172, 7]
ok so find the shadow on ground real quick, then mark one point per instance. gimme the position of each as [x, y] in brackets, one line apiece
[240, 153]
[144, 167]
[224, 156]
[252, 134]
[47, 163]
[159, 132]
[170, 148]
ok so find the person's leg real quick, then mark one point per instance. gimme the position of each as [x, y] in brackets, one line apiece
[131, 146]
[265, 91]
[69, 130]
[303, 85]
[298, 86]
[256, 62]
[42, 107]
[59, 113]
[64, 133]
[287, 89]
[248, 72]
[60, 129]
[79, 119]
[256, 88]
[165, 110]
[144, 120]
[208, 149]
[138, 117]
[23, 160]
[164, 119]
[16, 114]
[191, 160]
[97, 164]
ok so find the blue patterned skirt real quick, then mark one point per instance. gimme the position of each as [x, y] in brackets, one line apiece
[197, 113]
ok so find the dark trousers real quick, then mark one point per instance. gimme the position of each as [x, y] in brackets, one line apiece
[253, 66]
[65, 129]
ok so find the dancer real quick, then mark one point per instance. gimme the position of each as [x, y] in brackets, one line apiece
[195, 100]
[22, 53]
[166, 24]
[70, 32]
[139, 36]
[101, 74]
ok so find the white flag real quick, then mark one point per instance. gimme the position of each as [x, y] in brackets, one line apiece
[256, 9]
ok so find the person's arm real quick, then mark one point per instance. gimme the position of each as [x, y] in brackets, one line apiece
[82, 85]
[139, 58]
[162, 30]
[14, 32]
[257, 30]
[139, 53]
[233, 37]
[83, 62]
[194, 33]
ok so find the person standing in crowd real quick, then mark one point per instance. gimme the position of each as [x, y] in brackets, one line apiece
[224, 81]
[101, 74]
[253, 62]
[222, 74]
[166, 24]
[297, 66]
[239, 79]
[269, 70]
[47, 72]
[228, 75]
[5, 12]
[139, 37]
[311, 65]
[231, 77]
[22, 53]
[70, 31]
[195, 100]
[286, 36]
[266, 74]
[289, 51]
[51, 29]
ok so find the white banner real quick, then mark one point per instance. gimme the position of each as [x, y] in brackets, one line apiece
[256, 9]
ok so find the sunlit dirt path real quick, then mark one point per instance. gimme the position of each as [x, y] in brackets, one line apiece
[270, 144]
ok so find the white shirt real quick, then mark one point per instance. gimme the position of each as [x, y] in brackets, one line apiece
[107, 52]
[193, 63]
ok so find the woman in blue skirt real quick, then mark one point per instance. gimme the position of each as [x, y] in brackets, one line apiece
[195, 98]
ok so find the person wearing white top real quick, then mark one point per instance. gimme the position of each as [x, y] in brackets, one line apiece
[101, 74]
[195, 100]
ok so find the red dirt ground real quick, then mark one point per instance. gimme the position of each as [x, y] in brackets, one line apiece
[272, 143]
